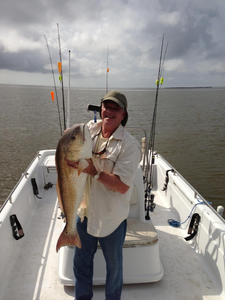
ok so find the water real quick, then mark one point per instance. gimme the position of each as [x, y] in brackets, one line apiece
[190, 130]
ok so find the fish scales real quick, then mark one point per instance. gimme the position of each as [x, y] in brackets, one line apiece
[75, 145]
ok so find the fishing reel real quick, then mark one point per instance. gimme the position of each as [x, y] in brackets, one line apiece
[149, 203]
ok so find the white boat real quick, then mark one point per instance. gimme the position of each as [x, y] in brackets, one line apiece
[158, 262]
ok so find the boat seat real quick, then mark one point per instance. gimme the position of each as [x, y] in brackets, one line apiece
[139, 234]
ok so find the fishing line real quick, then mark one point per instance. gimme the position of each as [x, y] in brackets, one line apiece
[61, 78]
[54, 84]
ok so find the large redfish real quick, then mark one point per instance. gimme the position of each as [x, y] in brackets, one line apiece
[74, 145]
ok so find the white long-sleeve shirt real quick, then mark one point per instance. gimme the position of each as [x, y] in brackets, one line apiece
[107, 208]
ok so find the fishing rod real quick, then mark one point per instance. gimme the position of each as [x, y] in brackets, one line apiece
[163, 67]
[160, 80]
[54, 85]
[107, 71]
[152, 134]
[61, 78]
[149, 199]
[68, 100]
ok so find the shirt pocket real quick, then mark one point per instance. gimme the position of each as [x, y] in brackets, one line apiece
[109, 159]
[108, 165]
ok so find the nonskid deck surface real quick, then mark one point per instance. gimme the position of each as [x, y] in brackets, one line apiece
[35, 275]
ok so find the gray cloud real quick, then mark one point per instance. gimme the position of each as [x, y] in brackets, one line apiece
[25, 61]
[132, 29]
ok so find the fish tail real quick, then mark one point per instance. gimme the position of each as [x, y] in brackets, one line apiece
[68, 240]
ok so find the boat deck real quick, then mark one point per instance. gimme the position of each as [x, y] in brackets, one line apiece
[35, 273]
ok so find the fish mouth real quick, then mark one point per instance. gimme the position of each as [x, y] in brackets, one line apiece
[72, 163]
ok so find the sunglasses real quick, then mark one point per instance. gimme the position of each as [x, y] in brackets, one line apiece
[104, 149]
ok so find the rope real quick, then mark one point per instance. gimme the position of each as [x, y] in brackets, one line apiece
[177, 224]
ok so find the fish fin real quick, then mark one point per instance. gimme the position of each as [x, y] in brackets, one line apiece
[96, 164]
[59, 196]
[68, 240]
[82, 165]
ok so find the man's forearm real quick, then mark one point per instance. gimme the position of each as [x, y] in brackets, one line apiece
[113, 182]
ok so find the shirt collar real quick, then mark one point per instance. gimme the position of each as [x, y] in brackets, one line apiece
[117, 134]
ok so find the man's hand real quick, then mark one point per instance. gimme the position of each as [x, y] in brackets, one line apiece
[90, 169]
[111, 181]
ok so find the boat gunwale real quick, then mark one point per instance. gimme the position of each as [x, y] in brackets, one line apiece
[197, 196]
[24, 174]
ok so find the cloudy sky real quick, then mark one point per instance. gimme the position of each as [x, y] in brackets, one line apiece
[132, 30]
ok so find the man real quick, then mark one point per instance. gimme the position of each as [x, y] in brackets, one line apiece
[102, 218]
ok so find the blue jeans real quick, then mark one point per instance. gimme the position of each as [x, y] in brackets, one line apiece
[112, 247]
